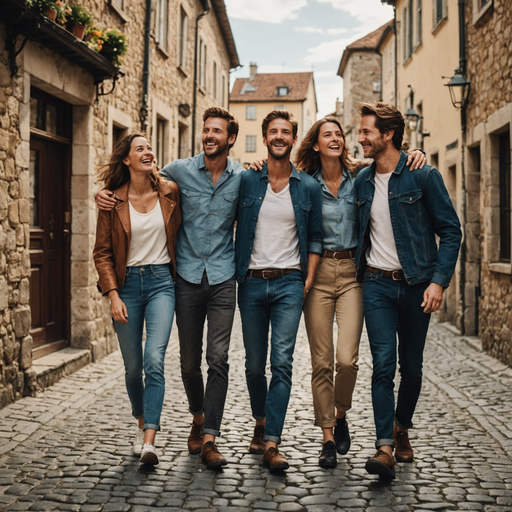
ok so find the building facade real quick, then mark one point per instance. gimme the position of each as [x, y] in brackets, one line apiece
[62, 108]
[252, 98]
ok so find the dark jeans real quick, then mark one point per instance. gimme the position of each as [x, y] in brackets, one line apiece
[276, 302]
[392, 307]
[194, 304]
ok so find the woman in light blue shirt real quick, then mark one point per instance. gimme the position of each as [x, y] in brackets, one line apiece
[336, 293]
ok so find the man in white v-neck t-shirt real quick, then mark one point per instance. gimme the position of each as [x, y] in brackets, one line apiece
[277, 250]
[404, 272]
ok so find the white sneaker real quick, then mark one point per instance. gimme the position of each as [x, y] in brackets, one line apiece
[138, 441]
[148, 455]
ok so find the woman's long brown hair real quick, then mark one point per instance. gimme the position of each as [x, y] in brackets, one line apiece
[116, 173]
[308, 159]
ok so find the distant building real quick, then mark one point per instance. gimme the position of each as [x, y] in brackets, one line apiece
[253, 98]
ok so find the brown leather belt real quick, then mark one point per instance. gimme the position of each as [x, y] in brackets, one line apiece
[340, 255]
[271, 273]
[396, 275]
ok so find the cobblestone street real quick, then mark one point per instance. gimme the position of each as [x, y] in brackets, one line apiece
[69, 448]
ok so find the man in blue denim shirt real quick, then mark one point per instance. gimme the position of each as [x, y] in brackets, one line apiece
[278, 246]
[205, 284]
[404, 272]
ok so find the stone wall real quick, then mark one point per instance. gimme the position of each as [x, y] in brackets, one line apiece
[489, 111]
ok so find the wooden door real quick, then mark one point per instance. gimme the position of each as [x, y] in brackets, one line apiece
[50, 218]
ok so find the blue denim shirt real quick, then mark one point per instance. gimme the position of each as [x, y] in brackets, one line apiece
[420, 209]
[205, 237]
[339, 213]
[307, 205]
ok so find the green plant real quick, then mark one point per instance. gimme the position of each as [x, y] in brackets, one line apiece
[80, 15]
[94, 38]
[114, 46]
[42, 5]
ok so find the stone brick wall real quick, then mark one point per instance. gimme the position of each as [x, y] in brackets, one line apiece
[490, 73]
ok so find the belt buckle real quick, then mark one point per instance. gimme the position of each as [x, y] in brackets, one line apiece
[393, 276]
[334, 255]
[263, 274]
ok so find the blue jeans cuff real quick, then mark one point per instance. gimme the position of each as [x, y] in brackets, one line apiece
[196, 414]
[211, 431]
[275, 439]
[151, 425]
[384, 442]
[403, 426]
[138, 416]
[259, 418]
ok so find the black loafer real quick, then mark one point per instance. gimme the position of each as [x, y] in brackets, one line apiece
[327, 458]
[341, 436]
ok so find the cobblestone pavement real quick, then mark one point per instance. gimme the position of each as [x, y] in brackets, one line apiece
[69, 448]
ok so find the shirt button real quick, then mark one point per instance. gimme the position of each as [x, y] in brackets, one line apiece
[260, 198]
[209, 213]
[391, 193]
[410, 199]
[207, 234]
[205, 258]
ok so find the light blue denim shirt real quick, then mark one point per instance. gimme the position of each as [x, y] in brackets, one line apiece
[205, 237]
[340, 221]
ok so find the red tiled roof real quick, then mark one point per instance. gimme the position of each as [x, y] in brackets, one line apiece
[370, 42]
[267, 84]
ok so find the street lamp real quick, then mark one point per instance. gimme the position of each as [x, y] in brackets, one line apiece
[459, 89]
[411, 116]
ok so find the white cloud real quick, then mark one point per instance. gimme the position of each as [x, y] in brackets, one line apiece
[269, 11]
[326, 95]
[309, 30]
[336, 31]
[328, 50]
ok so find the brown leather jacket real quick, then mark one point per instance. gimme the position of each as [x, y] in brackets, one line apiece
[113, 235]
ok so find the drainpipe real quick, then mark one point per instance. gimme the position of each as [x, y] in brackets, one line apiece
[396, 55]
[206, 7]
[145, 74]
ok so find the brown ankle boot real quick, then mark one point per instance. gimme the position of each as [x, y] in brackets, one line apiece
[257, 444]
[403, 448]
[211, 456]
[195, 439]
[381, 464]
[274, 460]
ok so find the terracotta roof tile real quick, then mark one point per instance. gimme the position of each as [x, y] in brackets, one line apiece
[266, 85]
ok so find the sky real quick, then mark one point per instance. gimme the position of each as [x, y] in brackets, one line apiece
[302, 35]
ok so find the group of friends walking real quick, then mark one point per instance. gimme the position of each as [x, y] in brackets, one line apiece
[331, 236]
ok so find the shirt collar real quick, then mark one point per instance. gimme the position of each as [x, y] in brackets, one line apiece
[202, 166]
[398, 169]
[264, 172]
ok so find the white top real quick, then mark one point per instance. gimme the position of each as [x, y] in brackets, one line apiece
[148, 243]
[276, 241]
[382, 252]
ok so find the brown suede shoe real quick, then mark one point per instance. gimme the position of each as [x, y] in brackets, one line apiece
[274, 460]
[257, 444]
[211, 456]
[403, 448]
[195, 439]
[381, 464]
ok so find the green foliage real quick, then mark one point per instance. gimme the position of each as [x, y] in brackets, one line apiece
[114, 46]
[80, 15]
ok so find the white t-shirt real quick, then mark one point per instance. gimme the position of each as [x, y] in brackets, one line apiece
[276, 241]
[382, 252]
[148, 243]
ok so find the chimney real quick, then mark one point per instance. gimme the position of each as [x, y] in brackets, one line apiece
[253, 71]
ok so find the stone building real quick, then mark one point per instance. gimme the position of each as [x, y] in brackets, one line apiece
[62, 107]
[252, 98]
[488, 170]
[361, 70]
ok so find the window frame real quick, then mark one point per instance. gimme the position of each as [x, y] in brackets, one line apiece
[505, 186]
[250, 142]
[162, 25]
[252, 109]
[182, 39]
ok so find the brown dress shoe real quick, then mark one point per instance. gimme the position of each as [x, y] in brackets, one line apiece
[274, 460]
[211, 456]
[403, 448]
[257, 444]
[195, 439]
[381, 464]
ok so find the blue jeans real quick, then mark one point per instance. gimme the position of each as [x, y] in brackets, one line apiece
[392, 307]
[148, 293]
[276, 302]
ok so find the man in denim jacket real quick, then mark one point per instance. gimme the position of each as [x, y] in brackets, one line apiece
[404, 271]
[277, 250]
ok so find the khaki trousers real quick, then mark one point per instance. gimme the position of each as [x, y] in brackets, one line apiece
[335, 292]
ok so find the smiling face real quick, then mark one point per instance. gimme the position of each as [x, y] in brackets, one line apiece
[330, 142]
[141, 156]
[216, 139]
[280, 140]
[374, 143]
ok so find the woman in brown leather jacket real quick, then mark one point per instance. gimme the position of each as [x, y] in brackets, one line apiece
[134, 257]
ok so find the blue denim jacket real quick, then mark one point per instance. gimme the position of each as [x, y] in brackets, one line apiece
[307, 204]
[420, 208]
[205, 237]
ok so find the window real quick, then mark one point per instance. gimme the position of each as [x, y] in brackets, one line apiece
[250, 112]
[117, 133]
[282, 91]
[250, 143]
[438, 12]
[408, 32]
[160, 150]
[215, 88]
[120, 4]
[182, 39]
[223, 92]
[202, 64]
[505, 203]
[418, 22]
[162, 21]
[279, 107]
[480, 7]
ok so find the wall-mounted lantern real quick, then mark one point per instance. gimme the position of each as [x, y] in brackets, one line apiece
[459, 89]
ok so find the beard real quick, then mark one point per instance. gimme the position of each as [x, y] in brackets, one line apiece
[278, 156]
[221, 147]
[377, 147]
